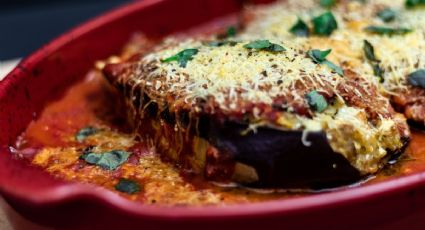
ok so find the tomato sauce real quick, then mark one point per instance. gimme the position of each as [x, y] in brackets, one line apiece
[50, 143]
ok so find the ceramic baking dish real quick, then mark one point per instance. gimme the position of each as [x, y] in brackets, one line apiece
[45, 74]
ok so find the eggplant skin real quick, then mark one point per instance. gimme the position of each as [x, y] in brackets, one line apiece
[269, 157]
[281, 159]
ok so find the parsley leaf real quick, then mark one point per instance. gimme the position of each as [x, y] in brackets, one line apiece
[413, 3]
[417, 78]
[182, 57]
[319, 57]
[369, 51]
[300, 29]
[127, 186]
[387, 30]
[85, 132]
[316, 101]
[386, 15]
[107, 160]
[324, 24]
[327, 3]
[264, 45]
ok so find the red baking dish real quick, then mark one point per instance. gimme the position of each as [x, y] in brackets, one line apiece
[43, 76]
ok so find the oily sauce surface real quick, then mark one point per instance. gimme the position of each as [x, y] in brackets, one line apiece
[50, 143]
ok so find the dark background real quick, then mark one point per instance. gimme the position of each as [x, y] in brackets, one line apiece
[25, 25]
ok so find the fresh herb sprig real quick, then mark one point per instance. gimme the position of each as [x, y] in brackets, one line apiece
[264, 45]
[85, 132]
[369, 53]
[220, 43]
[319, 57]
[316, 101]
[382, 30]
[107, 160]
[300, 29]
[230, 32]
[324, 24]
[127, 186]
[183, 57]
[417, 78]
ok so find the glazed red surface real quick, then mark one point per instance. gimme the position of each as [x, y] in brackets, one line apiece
[43, 77]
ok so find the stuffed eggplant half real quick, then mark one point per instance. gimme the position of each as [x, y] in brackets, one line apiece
[259, 113]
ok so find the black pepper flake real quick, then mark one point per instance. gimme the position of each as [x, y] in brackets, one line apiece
[264, 73]
[279, 82]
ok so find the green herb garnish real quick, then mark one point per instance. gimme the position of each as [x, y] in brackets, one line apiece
[107, 160]
[417, 78]
[378, 71]
[300, 29]
[387, 30]
[182, 57]
[127, 186]
[324, 24]
[327, 3]
[334, 67]
[220, 43]
[316, 101]
[85, 132]
[319, 57]
[413, 3]
[231, 31]
[264, 45]
[369, 51]
[386, 15]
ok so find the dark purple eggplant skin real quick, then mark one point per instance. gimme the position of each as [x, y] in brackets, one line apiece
[281, 159]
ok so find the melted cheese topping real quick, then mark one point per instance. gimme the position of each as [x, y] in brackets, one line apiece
[235, 73]
[235, 76]
[399, 54]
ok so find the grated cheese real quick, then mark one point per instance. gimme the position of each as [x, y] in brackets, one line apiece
[236, 77]
[399, 55]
